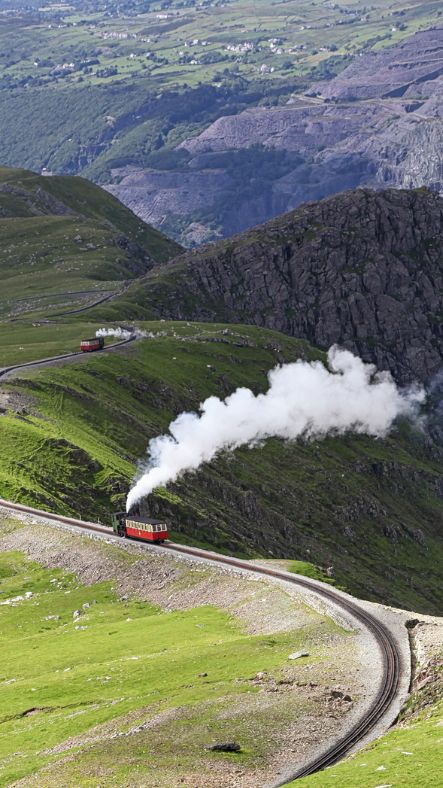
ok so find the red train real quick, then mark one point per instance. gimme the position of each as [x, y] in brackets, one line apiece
[88, 345]
[136, 527]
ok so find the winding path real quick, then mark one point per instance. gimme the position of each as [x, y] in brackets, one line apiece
[387, 696]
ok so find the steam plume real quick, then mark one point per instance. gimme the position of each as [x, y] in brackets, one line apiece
[124, 333]
[303, 399]
[120, 333]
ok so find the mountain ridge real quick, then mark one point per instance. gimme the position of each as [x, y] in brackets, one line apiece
[362, 269]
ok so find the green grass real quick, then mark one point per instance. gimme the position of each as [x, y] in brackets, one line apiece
[310, 570]
[66, 243]
[23, 341]
[366, 508]
[408, 757]
[58, 681]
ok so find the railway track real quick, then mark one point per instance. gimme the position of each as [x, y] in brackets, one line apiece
[389, 648]
[47, 361]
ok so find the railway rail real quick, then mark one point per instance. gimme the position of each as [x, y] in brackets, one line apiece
[46, 361]
[390, 650]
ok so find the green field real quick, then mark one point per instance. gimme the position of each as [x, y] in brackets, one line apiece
[23, 341]
[71, 680]
[174, 45]
[72, 437]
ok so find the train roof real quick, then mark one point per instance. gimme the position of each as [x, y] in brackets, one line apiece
[148, 520]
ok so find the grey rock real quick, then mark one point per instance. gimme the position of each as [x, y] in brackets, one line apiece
[230, 746]
[298, 654]
[362, 269]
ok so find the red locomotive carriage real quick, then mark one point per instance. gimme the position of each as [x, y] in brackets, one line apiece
[136, 527]
[89, 345]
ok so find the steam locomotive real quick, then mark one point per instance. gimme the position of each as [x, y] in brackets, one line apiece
[137, 527]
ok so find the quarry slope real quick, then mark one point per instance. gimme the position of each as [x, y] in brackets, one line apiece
[362, 269]
[377, 123]
[66, 243]
[368, 511]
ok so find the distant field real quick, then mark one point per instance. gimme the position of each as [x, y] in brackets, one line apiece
[95, 88]
[186, 44]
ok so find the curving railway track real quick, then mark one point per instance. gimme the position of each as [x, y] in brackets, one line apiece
[390, 650]
[48, 361]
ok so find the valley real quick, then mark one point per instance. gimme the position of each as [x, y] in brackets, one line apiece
[208, 118]
[86, 620]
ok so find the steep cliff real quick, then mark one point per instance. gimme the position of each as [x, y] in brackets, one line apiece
[363, 269]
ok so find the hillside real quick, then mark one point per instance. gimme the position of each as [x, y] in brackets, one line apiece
[362, 269]
[408, 755]
[65, 243]
[369, 511]
[124, 664]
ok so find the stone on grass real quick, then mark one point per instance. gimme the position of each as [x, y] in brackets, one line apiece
[229, 746]
[298, 654]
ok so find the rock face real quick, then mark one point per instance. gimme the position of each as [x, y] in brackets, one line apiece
[362, 269]
[378, 123]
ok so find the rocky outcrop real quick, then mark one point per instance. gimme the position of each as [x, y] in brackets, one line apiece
[362, 269]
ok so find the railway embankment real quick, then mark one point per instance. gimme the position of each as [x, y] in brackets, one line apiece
[282, 711]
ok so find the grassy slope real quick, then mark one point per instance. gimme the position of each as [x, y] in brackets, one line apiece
[407, 757]
[62, 676]
[371, 509]
[23, 341]
[63, 235]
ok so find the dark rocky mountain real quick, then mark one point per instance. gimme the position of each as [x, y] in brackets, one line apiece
[378, 123]
[363, 269]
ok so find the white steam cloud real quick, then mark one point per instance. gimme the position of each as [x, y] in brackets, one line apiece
[124, 333]
[303, 400]
[120, 333]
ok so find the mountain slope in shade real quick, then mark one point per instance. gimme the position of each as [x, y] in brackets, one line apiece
[64, 242]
